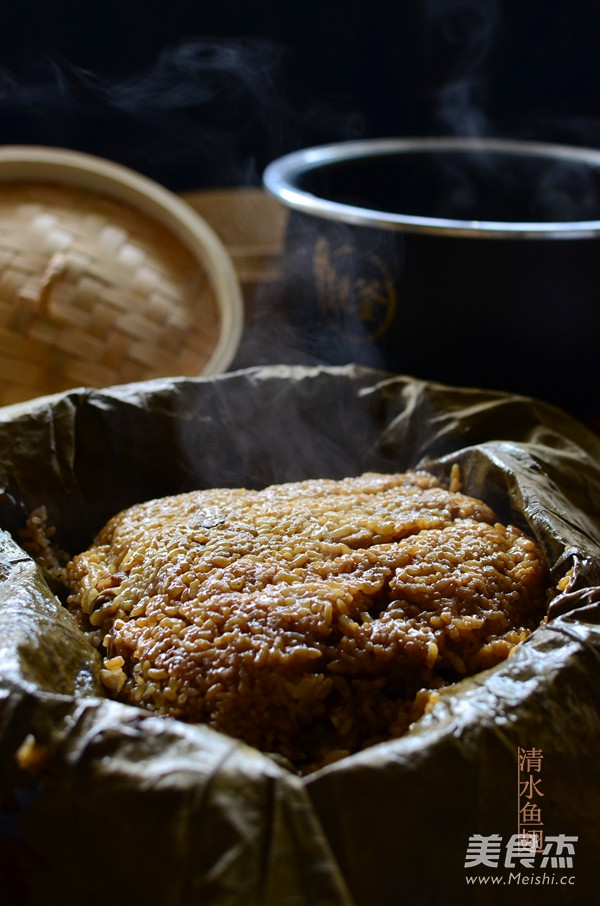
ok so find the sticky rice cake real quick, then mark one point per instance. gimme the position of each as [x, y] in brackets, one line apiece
[308, 619]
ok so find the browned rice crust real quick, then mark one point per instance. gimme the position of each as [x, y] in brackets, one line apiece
[310, 619]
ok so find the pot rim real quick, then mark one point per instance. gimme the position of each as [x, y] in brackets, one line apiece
[281, 175]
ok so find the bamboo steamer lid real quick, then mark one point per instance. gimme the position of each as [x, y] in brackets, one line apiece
[105, 278]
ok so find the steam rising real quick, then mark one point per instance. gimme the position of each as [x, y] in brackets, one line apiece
[208, 112]
[460, 36]
[212, 112]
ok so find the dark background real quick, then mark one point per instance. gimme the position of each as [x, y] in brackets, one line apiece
[198, 94]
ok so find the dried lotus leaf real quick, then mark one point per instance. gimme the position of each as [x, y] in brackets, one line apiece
[84, 779]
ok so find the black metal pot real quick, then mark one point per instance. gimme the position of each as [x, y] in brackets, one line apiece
[471, 262]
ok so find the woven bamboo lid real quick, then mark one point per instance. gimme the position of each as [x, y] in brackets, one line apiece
[105, 278]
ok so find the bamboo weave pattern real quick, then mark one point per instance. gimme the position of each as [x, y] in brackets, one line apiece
[94, 293]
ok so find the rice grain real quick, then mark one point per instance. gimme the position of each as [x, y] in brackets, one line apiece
[308, 619]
